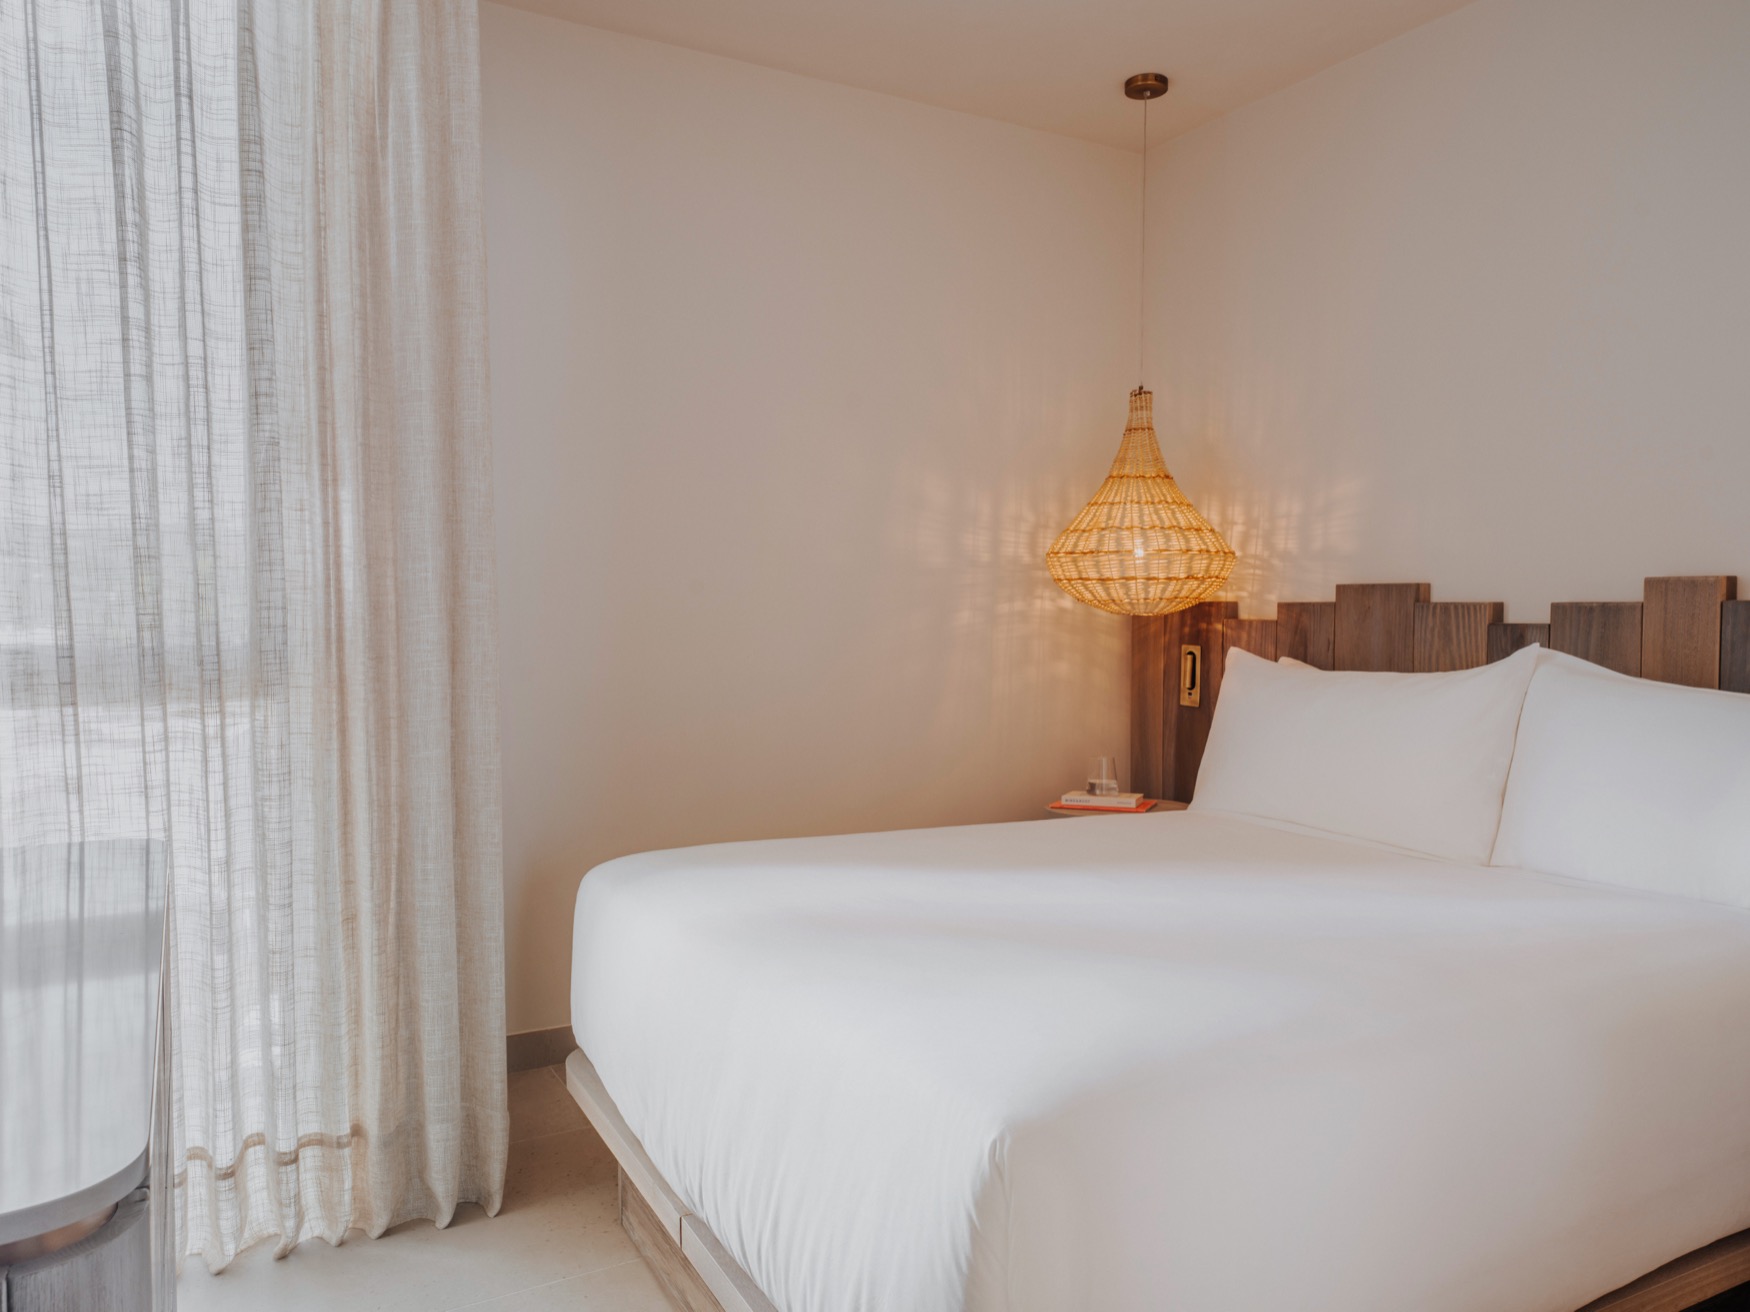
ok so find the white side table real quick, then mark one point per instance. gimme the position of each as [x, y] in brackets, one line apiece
[82, 926]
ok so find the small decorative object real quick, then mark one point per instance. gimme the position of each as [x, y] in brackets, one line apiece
[1140, 547]
[1103, 777]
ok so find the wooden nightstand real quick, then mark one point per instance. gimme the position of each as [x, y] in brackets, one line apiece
[1156, 809]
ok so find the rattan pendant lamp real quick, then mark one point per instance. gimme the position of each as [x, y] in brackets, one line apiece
[1139, 547]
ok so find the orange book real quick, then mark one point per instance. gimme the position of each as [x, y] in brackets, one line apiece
[1147, 804]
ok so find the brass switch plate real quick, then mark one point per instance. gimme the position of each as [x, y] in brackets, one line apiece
[1190, 675]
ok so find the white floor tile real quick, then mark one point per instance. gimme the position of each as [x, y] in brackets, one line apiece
[627, 1288]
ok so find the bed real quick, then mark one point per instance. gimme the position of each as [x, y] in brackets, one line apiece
[1179, 1061]
[1212, 1061]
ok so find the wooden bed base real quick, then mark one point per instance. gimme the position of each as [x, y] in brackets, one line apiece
[695, 1271]
[699, 1275]
[1691, 1279]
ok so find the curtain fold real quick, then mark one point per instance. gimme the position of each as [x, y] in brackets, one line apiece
[246, 596]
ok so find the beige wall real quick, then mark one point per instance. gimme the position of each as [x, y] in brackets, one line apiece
[1472, 307]
[792, 386]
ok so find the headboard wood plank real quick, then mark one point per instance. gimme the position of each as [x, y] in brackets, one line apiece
[1148, 704]
[1607, 633]
[1307, 631]
[1202, 626]
[1256, 636]
[1735, 646]
[1680, 628]
[1505, 639]
[1376, 625]
[1688, 630]
[1454, 635]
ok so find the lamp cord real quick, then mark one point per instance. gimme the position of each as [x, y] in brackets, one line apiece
[1142, 264]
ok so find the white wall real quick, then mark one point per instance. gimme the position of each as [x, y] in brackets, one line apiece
[1472, 308]
[792, 387]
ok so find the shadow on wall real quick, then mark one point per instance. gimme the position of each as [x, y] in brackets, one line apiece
[915, 666]
[1019, 644]
[1288, 535]
[1013, 664]
[1295, 539]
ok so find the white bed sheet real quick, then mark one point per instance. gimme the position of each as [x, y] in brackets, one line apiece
[1183, 1062]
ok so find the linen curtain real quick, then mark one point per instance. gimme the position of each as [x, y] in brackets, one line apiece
[246, 584]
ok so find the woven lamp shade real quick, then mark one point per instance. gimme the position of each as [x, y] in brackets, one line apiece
[1139, 547]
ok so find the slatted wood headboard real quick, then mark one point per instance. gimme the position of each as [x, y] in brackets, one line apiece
[1683, 630]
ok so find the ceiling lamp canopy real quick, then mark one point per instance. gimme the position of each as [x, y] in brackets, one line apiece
[1140, 547]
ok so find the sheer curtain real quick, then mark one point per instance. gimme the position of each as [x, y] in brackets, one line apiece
[246, 587]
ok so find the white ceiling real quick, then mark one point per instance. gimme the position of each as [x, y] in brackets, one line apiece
[1052, 64]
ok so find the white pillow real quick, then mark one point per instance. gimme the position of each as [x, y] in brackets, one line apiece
[1630, 782]
[1418, 761]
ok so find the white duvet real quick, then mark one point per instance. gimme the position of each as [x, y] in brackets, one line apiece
[1178, 1062]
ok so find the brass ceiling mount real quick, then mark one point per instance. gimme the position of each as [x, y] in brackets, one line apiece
[1146, 86]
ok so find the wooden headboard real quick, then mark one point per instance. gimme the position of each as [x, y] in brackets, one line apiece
[1683, 630]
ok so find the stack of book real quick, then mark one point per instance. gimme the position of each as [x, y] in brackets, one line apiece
[1083, 801]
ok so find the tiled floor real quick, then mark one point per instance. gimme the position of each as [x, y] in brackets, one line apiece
[557, 1243]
